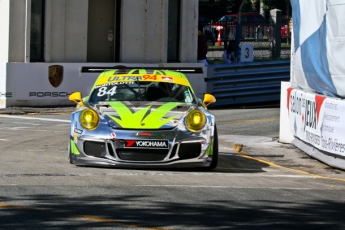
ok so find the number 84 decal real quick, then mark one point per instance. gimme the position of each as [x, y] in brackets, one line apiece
[103, 91]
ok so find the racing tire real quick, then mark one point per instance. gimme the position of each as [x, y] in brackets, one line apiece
[214, 161]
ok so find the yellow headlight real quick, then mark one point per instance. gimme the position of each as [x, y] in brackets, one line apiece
[89, 119]
[196, 120]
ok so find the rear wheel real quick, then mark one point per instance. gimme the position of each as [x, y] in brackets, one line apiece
[214, 162]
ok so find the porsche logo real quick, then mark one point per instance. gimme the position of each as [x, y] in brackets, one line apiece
[55, 75]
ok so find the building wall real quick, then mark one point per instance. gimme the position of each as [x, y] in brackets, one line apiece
[17, 36]
[189, 30]
[66, 31]
[5, 30]
[144, 31]
[144, 37]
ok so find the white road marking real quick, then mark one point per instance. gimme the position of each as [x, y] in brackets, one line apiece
[135, 174]
[4, 140]
[35, 118]
[25, 123]
[222, 186]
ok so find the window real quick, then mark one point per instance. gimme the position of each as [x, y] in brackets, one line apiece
[173, 30]
[37, 31]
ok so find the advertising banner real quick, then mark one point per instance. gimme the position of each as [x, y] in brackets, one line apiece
[317, 120]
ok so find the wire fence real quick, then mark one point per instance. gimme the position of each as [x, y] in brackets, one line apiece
[260, 35]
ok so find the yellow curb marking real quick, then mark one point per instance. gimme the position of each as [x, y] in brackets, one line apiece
[85, 217]
[238, 149]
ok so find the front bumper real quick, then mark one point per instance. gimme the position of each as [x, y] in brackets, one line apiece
[184, 150]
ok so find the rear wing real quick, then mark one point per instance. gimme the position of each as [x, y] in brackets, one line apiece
[97, 69]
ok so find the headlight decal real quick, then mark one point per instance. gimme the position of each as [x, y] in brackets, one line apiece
[196, 120]
[89, 119]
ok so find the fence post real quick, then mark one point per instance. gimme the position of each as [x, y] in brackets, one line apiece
[275, 36]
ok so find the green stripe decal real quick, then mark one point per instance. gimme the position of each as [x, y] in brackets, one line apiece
[74, 148]
[142, 119]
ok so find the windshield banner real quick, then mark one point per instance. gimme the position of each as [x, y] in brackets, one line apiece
[141, 77]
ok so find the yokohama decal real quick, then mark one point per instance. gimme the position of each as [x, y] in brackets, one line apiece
[159, 144]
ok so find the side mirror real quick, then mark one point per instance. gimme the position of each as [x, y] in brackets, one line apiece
[208, 100]
[76, 97]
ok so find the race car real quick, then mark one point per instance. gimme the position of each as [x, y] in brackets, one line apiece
[142, 118]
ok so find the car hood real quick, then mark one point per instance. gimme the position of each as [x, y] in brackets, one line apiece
[148, 115]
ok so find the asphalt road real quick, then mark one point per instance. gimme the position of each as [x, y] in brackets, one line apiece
[261, 185]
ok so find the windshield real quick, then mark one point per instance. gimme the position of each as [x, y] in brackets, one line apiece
[227, 18]
[142, 91]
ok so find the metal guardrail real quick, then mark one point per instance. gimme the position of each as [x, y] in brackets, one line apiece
[247, 83]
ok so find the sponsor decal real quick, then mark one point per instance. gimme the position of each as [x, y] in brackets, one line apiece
[161, 144]
[144, 134]
[308, 108]
[114, 84]
[49, 94]
[6, 94]
[317, 120]
[55, 75]
[113, 135]
[75, 136]
[167, 79]
[124, 78]
[145, 77]
[79, 131]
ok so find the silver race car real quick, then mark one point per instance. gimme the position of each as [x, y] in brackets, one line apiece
[137, 118]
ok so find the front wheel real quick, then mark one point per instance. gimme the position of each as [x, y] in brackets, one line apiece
[214, 162]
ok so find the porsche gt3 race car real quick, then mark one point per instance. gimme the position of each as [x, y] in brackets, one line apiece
[142, 118]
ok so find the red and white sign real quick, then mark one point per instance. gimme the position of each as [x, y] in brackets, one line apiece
[317, 120]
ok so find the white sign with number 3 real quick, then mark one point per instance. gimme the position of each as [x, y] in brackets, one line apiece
[247, 53]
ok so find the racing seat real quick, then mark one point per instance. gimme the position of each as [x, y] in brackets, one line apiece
[154, 93]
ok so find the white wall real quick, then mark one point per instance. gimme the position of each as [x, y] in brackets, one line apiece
[3, 88]
[4, 28]
[285, 135]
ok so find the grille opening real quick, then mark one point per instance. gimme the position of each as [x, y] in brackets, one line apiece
[95, 149]
[111, 150]
[142, 154]
[173, 152]
[189, 150]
